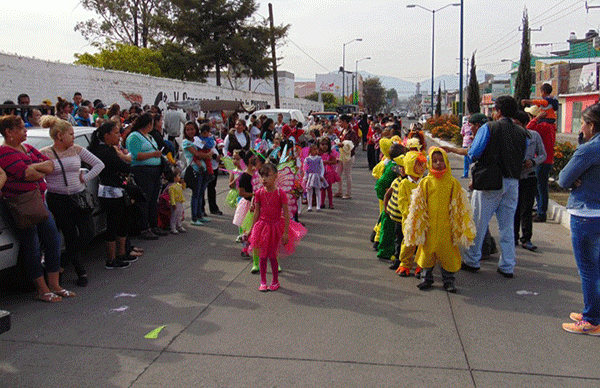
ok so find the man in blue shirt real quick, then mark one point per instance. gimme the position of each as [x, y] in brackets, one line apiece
[503, 142]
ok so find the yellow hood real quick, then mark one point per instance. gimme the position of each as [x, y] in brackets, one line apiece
[384, 145]
[410, 159]
[436, 173]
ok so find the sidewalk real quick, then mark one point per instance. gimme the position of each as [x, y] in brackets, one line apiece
[341, 318]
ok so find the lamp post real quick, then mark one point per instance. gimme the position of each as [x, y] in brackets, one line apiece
[344, 68]
[356, 72]
[433, 11]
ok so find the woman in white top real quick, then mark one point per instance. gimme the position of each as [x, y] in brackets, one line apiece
[65, 183]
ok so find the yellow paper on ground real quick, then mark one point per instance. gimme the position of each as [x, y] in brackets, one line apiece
[154, 333]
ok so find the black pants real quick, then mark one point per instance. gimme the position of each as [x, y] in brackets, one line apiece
[76, 227]
[371, 156]
[117, 218]
[523, 214]
[447, 277]
[399, 238]
[148, 178]
[211, 193]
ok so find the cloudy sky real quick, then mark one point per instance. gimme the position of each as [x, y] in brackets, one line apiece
[397, 38]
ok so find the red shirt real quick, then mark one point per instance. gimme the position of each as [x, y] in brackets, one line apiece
[547, 132]
[14, 163]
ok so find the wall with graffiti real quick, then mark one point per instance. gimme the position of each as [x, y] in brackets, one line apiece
[47, 80]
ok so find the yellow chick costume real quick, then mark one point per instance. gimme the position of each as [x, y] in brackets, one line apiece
[439, 218]
[384, 146]
[404, 194]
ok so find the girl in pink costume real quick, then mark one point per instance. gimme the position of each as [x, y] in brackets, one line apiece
[329, 157]
[273, 232]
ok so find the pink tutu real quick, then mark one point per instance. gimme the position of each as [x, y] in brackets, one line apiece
[241, 210]
[266, 238]
[331, 176]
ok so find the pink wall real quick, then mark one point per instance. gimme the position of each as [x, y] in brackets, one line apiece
[586, 101]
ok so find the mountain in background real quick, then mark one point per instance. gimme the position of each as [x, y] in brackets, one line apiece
[408, 88]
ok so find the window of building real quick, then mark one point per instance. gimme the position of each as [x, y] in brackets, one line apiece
[576, 118]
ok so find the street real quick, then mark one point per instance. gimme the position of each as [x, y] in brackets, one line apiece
[340, 319]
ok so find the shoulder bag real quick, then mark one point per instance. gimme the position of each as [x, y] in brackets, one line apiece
[83, 200]
[27, 209]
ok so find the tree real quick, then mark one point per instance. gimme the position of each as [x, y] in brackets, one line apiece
[473, 96]
[330, 102]
[373, 94]
[524, 82]
[438, 104]
[125, 57]
[126, 21]
[221, 34]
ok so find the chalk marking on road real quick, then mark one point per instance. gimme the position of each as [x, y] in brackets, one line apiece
[125, 295]
[118, 309]
[524, 292]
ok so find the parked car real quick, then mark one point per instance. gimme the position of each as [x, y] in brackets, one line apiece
[40, 138]
[288, 114]
[331, 116]
[411, 116]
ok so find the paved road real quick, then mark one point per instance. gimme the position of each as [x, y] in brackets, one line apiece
[341, 318]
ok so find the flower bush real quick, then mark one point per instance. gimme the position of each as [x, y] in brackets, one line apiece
[444, 127]
[562, 154]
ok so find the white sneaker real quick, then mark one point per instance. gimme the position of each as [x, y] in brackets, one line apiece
[174, 231]
[181, 229]
[309, 209]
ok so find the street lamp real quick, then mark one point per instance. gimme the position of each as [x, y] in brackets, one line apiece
[433, 11]
[356, 72]
[344, 68]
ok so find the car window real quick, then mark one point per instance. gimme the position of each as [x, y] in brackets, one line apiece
[39, 142]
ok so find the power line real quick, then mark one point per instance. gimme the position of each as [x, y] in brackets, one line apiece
[305, 53]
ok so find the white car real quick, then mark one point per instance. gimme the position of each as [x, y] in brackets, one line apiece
[423, 118]
[288, 114]
[40, 138]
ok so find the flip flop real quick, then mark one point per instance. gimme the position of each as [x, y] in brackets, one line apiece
[65, 293]
[137, 249]
[48, 297]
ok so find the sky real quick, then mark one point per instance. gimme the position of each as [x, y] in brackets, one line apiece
[397, 38]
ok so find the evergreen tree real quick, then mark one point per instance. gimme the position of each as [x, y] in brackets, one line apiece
[524, 82]
[473, 96]
[438, 105]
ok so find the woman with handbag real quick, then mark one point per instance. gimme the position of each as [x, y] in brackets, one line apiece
[146, 167]
[25, 168]
[68, 199]
[112, 196]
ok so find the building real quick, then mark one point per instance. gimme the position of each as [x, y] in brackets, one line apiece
[303, 89]
[332, 83]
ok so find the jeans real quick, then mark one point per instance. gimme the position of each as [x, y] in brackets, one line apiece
[197, 201]
[31, 239]
[371, 156]
[485, 204]
[76, 227]
[542, 172]
[585, 237]
[148, 178]
[523, 216]
[211, 194]
[466, 165]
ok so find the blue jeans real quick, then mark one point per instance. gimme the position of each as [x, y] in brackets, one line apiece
[585, 236]
[542, 173]
[467, 164]
[197, 201]
[31, 239]
[485, 204]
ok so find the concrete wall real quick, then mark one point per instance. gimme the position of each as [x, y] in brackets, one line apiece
[44, 79]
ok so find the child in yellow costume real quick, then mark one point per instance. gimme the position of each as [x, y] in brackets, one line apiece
[414, 167]
[439, 221]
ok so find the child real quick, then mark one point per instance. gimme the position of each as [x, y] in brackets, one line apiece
[205, 144]
[272, 230]
[234, 177]
[176, 201]
[547, 104]
[439, 220]
[246, 194]
[329, 157]
[390, 236]
[314, 176]
[414, 167]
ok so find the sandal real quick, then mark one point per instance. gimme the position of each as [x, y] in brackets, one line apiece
[65, 293]
[48, 297]
[137, 249]
[135, 253]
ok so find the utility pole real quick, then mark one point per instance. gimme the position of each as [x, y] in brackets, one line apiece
[275, 76]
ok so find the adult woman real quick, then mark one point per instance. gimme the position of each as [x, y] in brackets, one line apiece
[145, 165]
[105, 145]
[65, 181]
[582, 174]
[199, 176]
[238, 138]
[345, 167]
[25, 168]
[268, 130]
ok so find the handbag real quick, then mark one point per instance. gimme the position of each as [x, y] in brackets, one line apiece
[131, 191]
[28, 209]
[83, 200]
